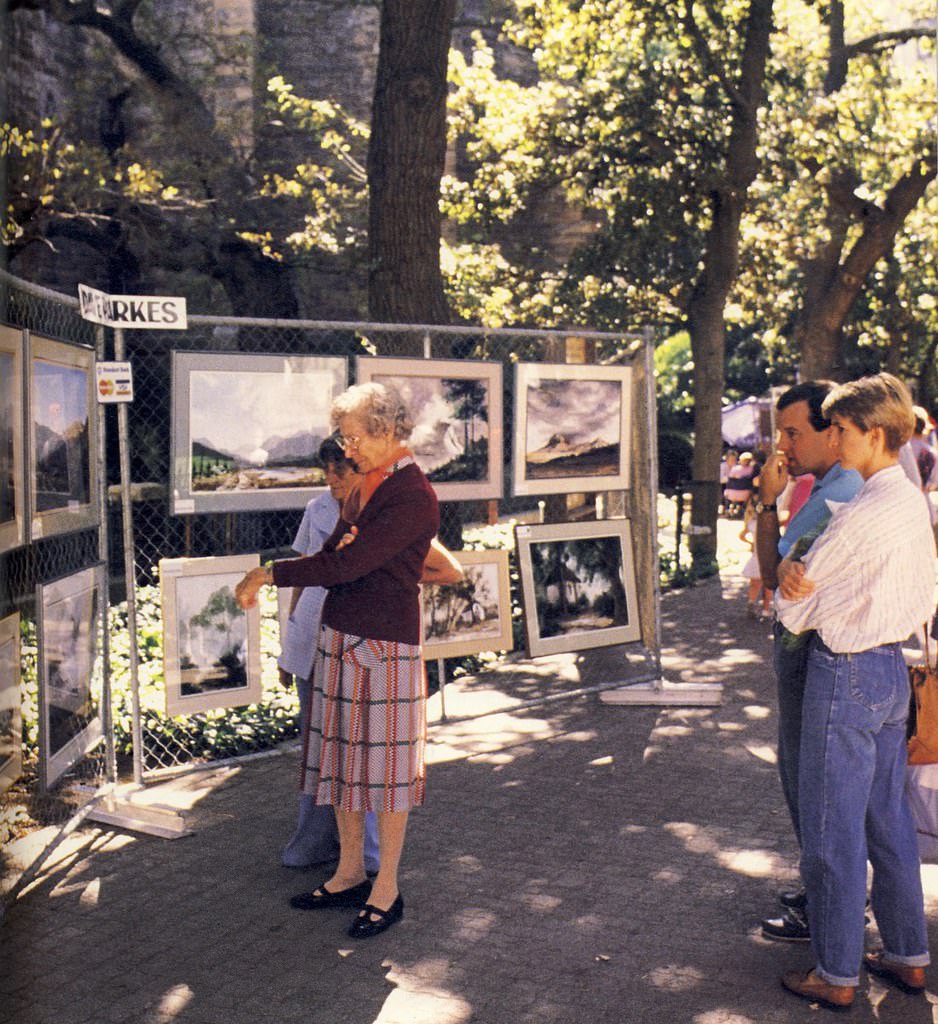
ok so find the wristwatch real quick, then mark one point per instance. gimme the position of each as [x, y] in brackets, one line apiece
[765, 507]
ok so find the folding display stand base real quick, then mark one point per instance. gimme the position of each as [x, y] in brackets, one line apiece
[123, 808]
[659, 692]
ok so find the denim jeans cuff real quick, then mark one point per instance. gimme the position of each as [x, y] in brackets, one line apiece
[921, 960]
[835, 979]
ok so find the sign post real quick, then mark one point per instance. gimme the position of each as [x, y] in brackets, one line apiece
[114, 382]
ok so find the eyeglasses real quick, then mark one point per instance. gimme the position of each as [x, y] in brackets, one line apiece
[347, 441]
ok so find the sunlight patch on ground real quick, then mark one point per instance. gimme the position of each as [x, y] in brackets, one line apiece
[404, 1006]
[672, 978]
[172, 1004]
[763, 752]
[454, 741]
[722, 1017]
[474, 925]
[751, 863]
[930, 887]
[64, 857]
[757, 711]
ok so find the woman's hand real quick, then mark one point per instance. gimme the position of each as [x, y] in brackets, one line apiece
[347, 538]
[247, 590]
[793, 585]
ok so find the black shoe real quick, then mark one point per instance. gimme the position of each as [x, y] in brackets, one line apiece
[796, 899]
[792, 926]
[363, 927]
[322, 898]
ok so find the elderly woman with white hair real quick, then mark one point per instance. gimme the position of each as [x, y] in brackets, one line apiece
[364, 748]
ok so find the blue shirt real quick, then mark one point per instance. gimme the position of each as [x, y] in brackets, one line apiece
[837, 484]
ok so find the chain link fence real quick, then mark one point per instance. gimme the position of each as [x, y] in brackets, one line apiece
[173, 743]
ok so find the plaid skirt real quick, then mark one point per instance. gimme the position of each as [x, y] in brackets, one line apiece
[365, 742]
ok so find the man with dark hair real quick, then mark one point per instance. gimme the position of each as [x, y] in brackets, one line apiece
[804, 446]
[865, 586]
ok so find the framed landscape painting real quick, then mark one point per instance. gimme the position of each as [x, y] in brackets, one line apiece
[472, 615]
[62, 445]
[457, 408]
[12, 446]
[11, 728]
[69, 678]
[211, 647]
[577, 585]
[572, 428]
[246, 429]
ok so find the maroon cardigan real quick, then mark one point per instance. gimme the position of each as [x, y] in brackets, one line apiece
[373, 584]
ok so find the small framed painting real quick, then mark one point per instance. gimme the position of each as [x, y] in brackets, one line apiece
[472, 615]
[457, 409]
[246, 429]
[12, 441]
[211, 647]
[572, 428]
[70, 725]
[11, 727]
[577, 585]
[62, 432]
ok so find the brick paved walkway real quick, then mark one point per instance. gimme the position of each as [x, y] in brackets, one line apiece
[576, 863]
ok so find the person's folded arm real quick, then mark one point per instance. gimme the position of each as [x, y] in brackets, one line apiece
[401, 522]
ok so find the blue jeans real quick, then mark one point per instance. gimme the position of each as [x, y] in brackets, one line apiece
[790, 669]
[853, 808]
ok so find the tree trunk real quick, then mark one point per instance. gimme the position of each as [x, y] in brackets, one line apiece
[819, 330]
[405, 164]
[720, 264]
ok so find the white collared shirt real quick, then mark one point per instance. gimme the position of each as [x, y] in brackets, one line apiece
[874, 568]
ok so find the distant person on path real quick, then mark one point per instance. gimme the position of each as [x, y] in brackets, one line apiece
[367, 734]
[757, 593]
[739, 484]
[866, 585]
[804, 446]
[316, 839]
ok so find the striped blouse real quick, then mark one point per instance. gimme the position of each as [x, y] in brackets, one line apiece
[874, 569]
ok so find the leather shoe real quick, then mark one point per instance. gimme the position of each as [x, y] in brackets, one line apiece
[322, 898]
[363, 927]
[792, 926]
[817, 990]
[909, 979]
[796, 899]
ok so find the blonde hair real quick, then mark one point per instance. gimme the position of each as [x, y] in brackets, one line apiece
[881, 400]
[379, 405]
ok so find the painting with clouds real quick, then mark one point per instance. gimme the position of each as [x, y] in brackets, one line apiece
[572, 428]
[247, 429]
[456, 406]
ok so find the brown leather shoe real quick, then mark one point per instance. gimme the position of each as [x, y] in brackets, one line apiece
[909, 979]
[817, 990]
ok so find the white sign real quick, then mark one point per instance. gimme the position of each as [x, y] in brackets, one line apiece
[115, 382]
[140, 312]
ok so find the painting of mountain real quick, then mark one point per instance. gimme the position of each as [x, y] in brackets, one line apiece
[251, 426]
[572, 428]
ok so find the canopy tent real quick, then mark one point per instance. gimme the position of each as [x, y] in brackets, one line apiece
[749, 423]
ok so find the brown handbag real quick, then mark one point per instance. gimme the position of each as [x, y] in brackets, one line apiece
[923, 722]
